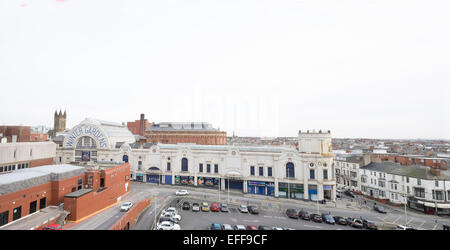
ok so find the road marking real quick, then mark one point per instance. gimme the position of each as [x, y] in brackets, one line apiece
[312, 226]
[396, 220]
[422, 224]
[435, 226]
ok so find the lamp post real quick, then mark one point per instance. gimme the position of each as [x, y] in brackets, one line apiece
[228, 198]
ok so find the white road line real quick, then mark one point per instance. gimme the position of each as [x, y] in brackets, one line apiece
[396, 220]
[312, 226]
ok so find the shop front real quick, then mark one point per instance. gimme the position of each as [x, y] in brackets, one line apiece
[140, 177]
[208, 182]
[312, 192]
[260, 187]
[327, 190]
[184, 180]
[168, 179]
[234, 184]
[290, 190]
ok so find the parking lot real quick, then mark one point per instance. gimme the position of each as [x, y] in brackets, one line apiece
[269, 215]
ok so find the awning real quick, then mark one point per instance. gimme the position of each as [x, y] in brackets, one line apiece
[429, 204]
[443, 205]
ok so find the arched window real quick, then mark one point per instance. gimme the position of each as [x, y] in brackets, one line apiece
[184, 164]
[86, 142]
[290, 170]
[125, 158]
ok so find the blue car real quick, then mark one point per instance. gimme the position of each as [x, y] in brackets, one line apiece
[327, 218]
[216, 226]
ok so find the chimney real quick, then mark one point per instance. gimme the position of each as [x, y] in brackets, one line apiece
[142, 125]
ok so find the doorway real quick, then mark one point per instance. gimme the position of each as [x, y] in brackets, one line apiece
[33, 206]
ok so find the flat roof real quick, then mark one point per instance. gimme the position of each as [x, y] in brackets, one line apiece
[79, 193]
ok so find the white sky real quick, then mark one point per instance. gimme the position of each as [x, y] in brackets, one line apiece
[375, 69]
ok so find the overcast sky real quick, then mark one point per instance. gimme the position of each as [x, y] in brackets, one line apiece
[373, 69]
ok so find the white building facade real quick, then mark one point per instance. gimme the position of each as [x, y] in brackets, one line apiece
[418, 186]
[280, 171]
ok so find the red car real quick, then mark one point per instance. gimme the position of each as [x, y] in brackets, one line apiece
[51, 227]
[215, 207]
[251, 227]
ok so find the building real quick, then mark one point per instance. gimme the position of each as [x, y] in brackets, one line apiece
[280, 171]
[15, 133]
[138, 127]
[347, 171]
[14, 156]
[59, 123]
[422, 188]
[192, 132]
[83, 190]
[28, 190]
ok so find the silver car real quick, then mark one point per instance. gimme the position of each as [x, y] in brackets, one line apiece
[239, 227]
[195, 207]
[243, 209]
[226, 227]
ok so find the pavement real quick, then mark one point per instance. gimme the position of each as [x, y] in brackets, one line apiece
[35, 220]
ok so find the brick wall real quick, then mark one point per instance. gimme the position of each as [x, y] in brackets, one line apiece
[127, 221]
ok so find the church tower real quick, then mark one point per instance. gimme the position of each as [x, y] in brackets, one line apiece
[59, 122]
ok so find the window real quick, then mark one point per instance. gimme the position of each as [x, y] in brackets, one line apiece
[269, 171]
[290, 170]
[200, 167]
[325, 174]
[437, 195]
[261, 171]
[168, 166]
[208, 168]
[311, 174]
[216, 168]
[407, 179]
[252, 171]
[407, 189]
[418, 182]
[436, 183]
[184, 164]
[419, 192]
[139, 165]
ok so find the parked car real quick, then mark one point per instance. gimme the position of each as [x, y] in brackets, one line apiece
[327, 218]
[195, 207]
[369, 225]
[264, 228]
[226, 227]
[170, 210]
[349, 193]
[126, 206]
[243, 209]
[186, 205]
[291, 213]
[316, 218]
[205, 207]
[167, 225]
[277, 228]
[338, 194]
[182, 192]
[251, 227]
[401, 227]
[349, 220]
[173, 215]
[288, 228]
[253, 209]
[340, 220]
[379, 209]
[239, 227]
[168, 218]
[215, 207]
[303, 215]
[224, 207]
[215, 226]
[51, 227]
[445, 227]
[357, 223]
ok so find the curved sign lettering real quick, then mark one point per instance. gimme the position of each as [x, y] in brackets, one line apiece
[86, 130]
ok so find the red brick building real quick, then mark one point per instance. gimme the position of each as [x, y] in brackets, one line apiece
[82, 190]
[138, 127]
[15, 133]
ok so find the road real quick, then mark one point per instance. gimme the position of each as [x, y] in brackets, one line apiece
[273, 210]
